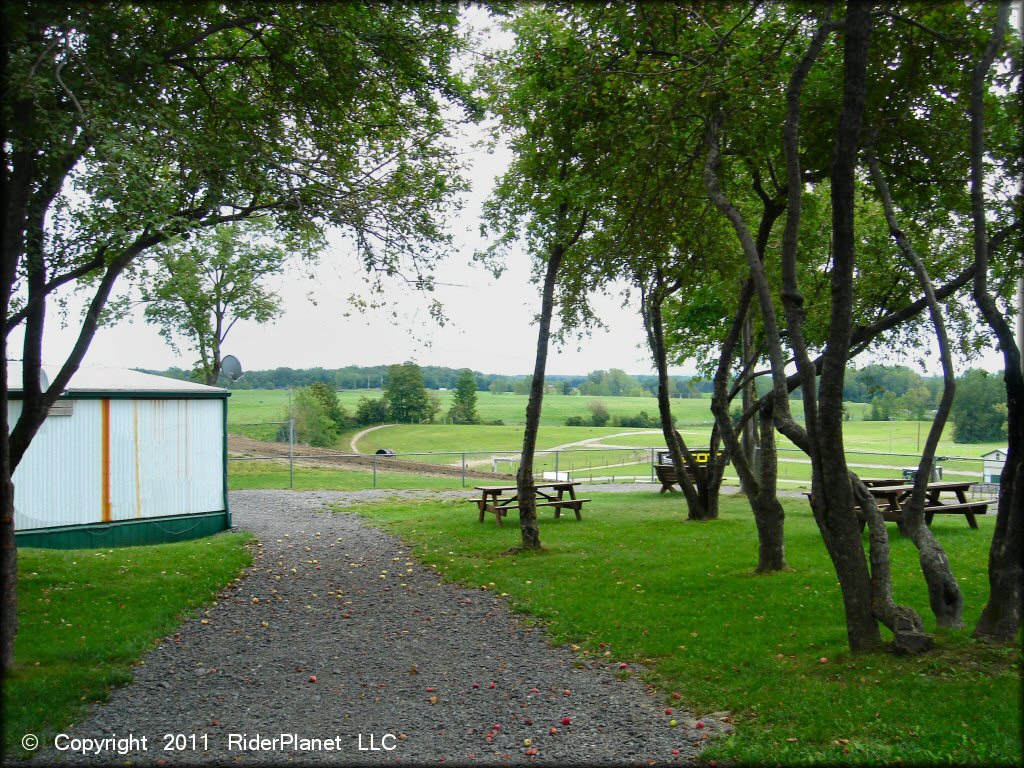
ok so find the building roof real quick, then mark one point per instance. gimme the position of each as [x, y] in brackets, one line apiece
[998, 452]
[93, 381]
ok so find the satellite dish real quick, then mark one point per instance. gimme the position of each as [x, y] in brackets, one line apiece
[231, 368]
[44, 381]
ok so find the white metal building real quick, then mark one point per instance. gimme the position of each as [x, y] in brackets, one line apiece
[994, 461]
[123, 458]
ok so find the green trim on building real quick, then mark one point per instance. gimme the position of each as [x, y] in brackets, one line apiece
[126, 533]
[227, 506]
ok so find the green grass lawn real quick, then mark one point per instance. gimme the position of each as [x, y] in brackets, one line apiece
[635, 582]
[87, 616]
[421, 438]
[253, 405]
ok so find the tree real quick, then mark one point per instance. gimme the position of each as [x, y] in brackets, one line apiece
[1001, 618]
[312, 419]
[599, 416]
[203, 286]
[463, 410]
[328, 397]
[533, 92]
[126, 126]
[371, 411]
[908, 152]
[979, 411]
[406, 395]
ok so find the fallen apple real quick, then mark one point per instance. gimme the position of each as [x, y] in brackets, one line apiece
[668, 710]
[566, 721]
[312, 678]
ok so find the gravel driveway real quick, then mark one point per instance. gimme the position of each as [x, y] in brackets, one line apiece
[336, 647]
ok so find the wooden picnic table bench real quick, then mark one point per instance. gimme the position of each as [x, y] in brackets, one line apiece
[892, 499]
[877, 482]
[667, 476]
[896, 496]
[492, 498]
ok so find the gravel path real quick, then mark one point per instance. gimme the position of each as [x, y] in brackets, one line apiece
[407, 669]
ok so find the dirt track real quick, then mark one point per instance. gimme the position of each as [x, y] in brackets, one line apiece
[307, 456]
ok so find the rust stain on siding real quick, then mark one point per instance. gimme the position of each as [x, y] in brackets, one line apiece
[105, 510]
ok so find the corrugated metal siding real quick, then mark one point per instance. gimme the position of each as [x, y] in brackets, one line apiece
[166, 458]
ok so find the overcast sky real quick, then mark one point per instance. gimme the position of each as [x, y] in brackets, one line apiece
[490, 321]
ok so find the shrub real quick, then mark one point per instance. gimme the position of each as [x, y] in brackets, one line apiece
[313, 423]
[371, 411]
[599, 415]
[643, 420]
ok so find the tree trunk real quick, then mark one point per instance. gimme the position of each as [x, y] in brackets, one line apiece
[1001, 618]
[769, 515]
[908, 631]
[944, 596]
[748, 438]
[8, 548]
[696, 492]
[759, 487]
[524, 477]
[833, 499]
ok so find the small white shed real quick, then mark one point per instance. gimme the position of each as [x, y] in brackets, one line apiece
[123, 458]
[994, 461]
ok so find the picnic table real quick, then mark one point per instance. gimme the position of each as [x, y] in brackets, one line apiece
[553, 494]
[895, 498]
[667, 477]
[892, 496]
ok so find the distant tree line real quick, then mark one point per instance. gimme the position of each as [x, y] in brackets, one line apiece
[610, 383]
[864, 385]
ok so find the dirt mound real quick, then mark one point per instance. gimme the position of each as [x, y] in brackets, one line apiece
[307, 456]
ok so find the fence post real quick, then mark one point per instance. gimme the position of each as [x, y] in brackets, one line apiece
[463, 469]
[556, 465]
[291, 454]
[652, 465]
[375, 470]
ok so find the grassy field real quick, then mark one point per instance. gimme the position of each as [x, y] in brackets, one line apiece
[907, 437]
[86, 616]
[874, 449]
[636, 583]
[252, 405]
